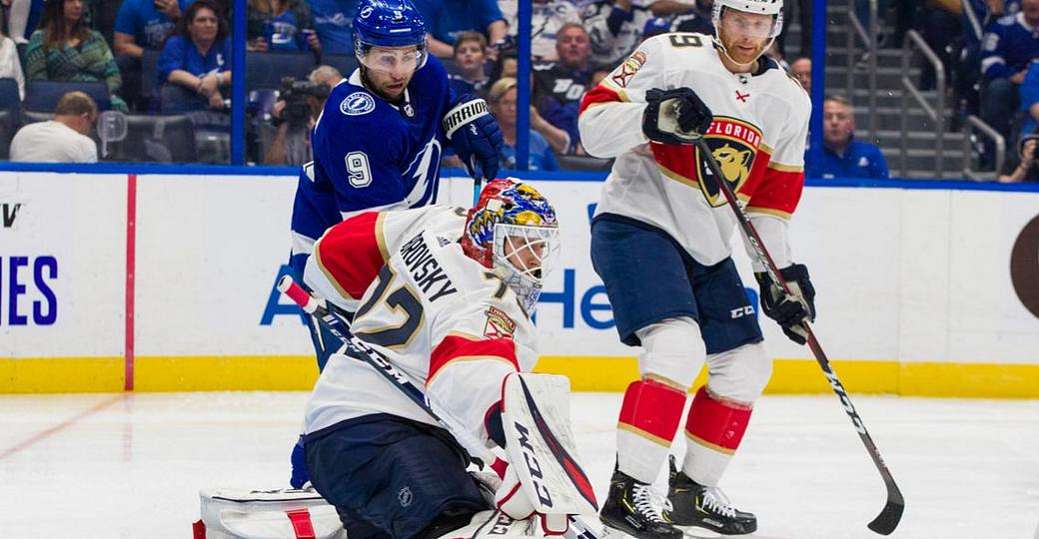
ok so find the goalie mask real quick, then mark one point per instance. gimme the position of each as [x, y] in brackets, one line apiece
[513, 231]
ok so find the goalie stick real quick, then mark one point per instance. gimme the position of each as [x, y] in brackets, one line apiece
[888, 519]
[360, 350]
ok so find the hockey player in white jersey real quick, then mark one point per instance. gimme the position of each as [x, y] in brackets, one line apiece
[445, 296]
[661, 243]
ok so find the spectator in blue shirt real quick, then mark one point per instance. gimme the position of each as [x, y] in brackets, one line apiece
[281, 25]
[544, 137]
[333, 20]
[470, 62]
[1007, 48]
[195, 63]
[447, 19]
[142, 25]
[841, 155]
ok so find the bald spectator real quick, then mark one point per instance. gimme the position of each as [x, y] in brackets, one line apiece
[801, 69]
[65, 139]
[841, 156]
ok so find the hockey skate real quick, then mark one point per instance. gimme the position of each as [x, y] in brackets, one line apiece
[697, 506]
[629, 508]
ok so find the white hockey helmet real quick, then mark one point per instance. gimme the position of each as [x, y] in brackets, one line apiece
[765, 7]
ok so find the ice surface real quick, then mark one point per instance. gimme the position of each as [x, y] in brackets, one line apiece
[109, 466]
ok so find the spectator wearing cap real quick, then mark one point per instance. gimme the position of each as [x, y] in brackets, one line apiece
[447, 19]
[559, 85]
[66, 49]
[841, 156]
[195, 63]
[1007, 48]
[470, 59]
[615, 27]
[63, 139]
[547, 17]
[281, 25]
[543, 135]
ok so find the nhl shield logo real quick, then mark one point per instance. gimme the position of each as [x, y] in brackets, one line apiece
[734, 144]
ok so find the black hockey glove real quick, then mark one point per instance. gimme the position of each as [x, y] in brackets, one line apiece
[789, 310]
[675, 116]
[475, 136]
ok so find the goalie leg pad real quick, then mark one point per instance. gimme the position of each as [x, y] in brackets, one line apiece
[540, 444]
[396, 475]
[648, 421]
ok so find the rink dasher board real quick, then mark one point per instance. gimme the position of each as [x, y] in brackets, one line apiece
[915, 295]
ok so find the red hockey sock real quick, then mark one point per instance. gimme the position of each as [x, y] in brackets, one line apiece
[648, 422]
[716, 423]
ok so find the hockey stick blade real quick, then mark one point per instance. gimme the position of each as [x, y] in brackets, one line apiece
[889, 517]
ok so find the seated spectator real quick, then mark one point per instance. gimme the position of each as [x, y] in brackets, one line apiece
[10, 64]
[333, 21]
[1027, 169]
[145, 24]
[64, 139]
[547, 17]
[447, 19]
[615, 28]
[281, 25]
[559, 86]
[1008, 47]
[66, 49]
[695, 18]
[507, 65]
[470, 57]
[543, 135]
[1028, 93]
[801, 69]
[841, 155]
[195, 63]
[142, 25]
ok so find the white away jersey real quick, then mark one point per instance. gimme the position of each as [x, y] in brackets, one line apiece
[758, 137]
[453, 327]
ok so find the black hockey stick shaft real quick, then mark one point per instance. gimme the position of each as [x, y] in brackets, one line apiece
[888, 519]
[360, 350]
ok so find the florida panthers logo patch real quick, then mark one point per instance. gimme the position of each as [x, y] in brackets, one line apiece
[628, 69]
[498, 324]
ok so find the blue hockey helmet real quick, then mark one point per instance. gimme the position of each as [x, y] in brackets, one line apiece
[388, 23]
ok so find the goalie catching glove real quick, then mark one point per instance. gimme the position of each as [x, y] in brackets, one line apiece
[676, 116]
[789, 310]
[475, 137]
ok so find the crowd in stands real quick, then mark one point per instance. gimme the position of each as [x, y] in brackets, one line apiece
[166, 63]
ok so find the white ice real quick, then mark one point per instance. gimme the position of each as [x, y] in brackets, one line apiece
[122, 466]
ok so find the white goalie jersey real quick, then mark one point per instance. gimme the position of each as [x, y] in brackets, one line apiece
[758, 138]
[453, 327]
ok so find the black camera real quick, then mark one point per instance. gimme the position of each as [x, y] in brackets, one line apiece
[294, 93]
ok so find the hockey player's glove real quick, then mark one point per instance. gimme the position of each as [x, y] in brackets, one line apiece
[675, 116]
[475, 136]
[789, 310]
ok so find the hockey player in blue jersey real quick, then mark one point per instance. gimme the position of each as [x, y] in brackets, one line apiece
[379, 140]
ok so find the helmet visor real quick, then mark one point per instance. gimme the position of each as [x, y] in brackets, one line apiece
[392, 59]
[737, 24]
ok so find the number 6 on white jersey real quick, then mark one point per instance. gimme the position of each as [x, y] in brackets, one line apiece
[358, 169]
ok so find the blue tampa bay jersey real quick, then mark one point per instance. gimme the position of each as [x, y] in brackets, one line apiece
[371, 155]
